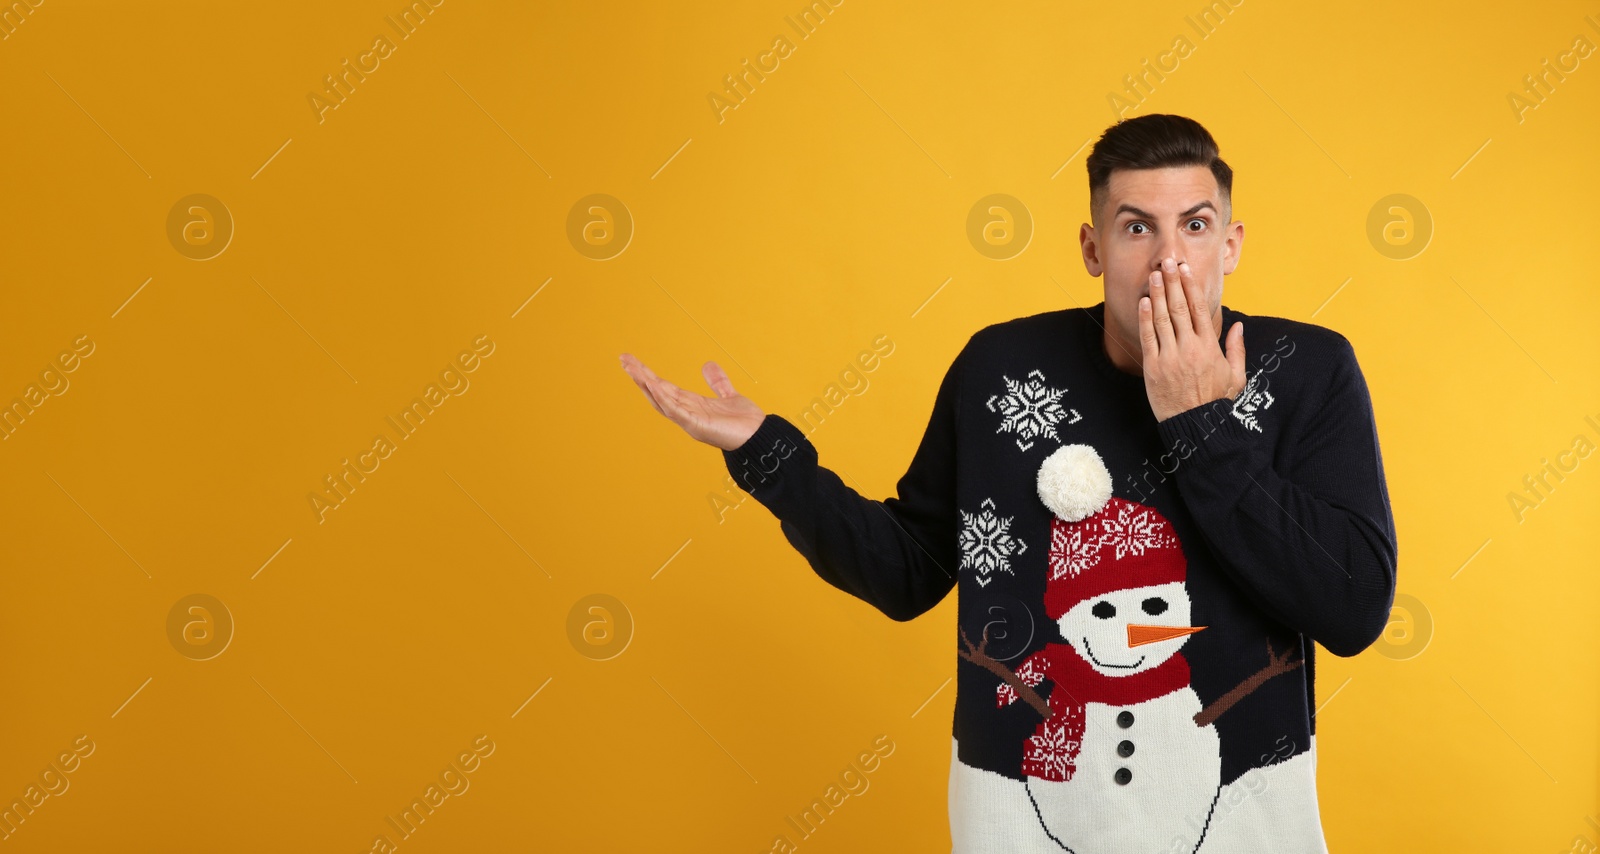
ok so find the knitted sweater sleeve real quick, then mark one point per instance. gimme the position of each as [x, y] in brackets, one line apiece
[898, 555]
[1312, 541]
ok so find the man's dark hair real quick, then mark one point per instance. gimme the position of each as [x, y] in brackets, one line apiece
[1152, 142]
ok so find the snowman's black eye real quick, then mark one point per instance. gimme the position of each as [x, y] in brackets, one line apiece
[1154, 605]
[1104, 610]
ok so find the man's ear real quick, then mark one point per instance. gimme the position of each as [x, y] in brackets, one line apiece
[1088, 240]
[1233, 244]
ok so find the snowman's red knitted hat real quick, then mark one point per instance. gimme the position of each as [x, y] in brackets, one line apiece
[1098, 542]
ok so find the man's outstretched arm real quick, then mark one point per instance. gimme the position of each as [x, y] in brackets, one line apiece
[898, 555]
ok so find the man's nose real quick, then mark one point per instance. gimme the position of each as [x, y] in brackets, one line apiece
[1165, 251]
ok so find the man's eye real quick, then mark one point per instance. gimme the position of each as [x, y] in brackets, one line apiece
[1193, 221]
[1136, 225]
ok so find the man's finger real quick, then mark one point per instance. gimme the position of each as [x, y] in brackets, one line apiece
[632, 366]
[636, 368]
[648, 374]
[717, 378]
[668, 395]
[1177, 301]
[1158, 311]
[654, 401]
[1196, 298]
[1147, 333]
[1235, 349]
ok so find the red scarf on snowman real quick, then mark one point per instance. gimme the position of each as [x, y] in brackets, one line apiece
[1052, 752]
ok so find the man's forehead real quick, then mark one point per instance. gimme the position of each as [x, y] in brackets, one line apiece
[1173, 188]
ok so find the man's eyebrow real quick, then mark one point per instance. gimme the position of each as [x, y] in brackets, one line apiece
[1127, 208]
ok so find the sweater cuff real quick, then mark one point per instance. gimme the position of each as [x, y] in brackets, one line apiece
[1205, 433]
[758, 464]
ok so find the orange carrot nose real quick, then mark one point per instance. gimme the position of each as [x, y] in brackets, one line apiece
[1139, 635]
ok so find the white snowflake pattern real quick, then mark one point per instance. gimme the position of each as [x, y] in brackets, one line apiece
[1073, 549]
[1031, 672]
[986, 542]
[1251, 402]
[1031, 408]
[1050, 754]
[1133, 529]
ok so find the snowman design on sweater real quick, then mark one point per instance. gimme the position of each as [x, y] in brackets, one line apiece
[1124, 756]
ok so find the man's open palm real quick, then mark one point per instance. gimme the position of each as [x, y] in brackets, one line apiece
[725, 421]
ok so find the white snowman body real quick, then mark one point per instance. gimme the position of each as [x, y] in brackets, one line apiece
[1172, 777]
[1147, 775]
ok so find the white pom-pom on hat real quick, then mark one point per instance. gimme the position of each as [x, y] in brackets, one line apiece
[1074, 482]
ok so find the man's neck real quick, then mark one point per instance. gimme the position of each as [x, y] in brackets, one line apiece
[1124, 356]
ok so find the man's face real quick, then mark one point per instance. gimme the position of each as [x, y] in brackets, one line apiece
[1150, 215]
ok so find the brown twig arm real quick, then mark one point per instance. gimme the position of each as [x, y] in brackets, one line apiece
[977, 656]
[1277, 664]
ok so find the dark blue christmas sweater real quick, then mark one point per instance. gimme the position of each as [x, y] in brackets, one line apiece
[1138, 600]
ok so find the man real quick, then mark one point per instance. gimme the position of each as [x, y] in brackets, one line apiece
[1109, 485]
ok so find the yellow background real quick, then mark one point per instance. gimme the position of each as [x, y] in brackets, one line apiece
[370, 248]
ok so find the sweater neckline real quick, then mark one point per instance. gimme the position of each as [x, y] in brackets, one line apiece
[1094, 338]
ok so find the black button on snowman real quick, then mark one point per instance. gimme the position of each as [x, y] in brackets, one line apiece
[1111, 561]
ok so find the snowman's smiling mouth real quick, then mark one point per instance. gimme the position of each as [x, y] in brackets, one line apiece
[1089, 652]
